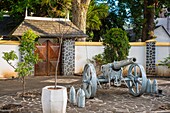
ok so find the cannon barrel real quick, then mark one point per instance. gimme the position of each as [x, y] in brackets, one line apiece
[117, 65]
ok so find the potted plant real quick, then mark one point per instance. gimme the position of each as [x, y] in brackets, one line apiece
[54, 98]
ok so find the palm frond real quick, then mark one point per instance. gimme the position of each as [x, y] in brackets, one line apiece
[95, 13]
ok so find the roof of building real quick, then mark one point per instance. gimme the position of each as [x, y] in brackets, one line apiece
[164, 29]
[49, 27]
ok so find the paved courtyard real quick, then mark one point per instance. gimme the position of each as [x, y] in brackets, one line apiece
[113, 100]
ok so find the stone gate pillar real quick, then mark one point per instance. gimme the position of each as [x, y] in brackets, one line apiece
[68, 56]
[150, 57]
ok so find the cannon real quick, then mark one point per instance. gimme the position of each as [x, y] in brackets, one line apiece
[135, 80]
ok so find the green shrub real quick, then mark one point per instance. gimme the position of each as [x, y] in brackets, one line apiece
[99, 59]
[116, 45]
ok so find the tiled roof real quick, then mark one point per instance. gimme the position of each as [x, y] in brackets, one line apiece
[50, 28]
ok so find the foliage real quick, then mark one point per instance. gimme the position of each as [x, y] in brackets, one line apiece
[162, 4]
[116, 18]
[120, 12]
[95, 14]
[27, 48]
[99, 59]
[166, 62]
[10, 56]
[57, 8]
[40, 8]
[135, 13]
[116, 45]
[17, 8]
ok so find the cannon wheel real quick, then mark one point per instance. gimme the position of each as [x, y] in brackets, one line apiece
[89, 81]
[137, 79]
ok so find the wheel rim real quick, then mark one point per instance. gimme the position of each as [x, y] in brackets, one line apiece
[137, 79]
[89, 81]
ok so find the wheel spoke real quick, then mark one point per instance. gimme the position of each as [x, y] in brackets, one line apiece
[135, 71]
[140, 81]
[85, 76]
[134, 82]
[137, 90]
[130, 84]
[131, 75]
[88, 72]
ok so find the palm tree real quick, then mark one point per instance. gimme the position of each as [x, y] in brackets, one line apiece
[95, 13]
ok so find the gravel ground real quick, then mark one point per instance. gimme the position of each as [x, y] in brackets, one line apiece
[113, 100]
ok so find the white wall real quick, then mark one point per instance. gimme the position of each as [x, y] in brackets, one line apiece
[137, 50]
[5, 68]
[161, 53]
[139, 53]
[84, 52]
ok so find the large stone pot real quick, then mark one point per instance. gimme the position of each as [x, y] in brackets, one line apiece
[54, 100]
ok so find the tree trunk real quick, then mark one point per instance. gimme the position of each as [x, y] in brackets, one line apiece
[79, 12]
[148, 25]
[144, 22]
[23, 85]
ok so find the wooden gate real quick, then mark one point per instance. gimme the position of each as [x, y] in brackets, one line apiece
[48, 53]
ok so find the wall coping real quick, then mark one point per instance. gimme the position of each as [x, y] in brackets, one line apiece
[101, 43]
[88, 43]
[131, 43]
[162, 44]
[137, 43]
[5, 42]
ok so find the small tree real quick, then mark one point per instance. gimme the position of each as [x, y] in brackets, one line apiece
[116, 45]
[27, 47]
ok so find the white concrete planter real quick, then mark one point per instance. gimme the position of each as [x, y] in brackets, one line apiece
[54, 100]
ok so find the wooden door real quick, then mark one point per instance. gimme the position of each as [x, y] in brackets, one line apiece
[53, 51]
[48, 53]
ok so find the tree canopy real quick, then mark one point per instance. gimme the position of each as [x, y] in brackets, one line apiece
[137, 15]
[101, 16]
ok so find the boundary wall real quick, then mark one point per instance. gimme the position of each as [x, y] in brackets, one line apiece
[149, 54]
[87, 50]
